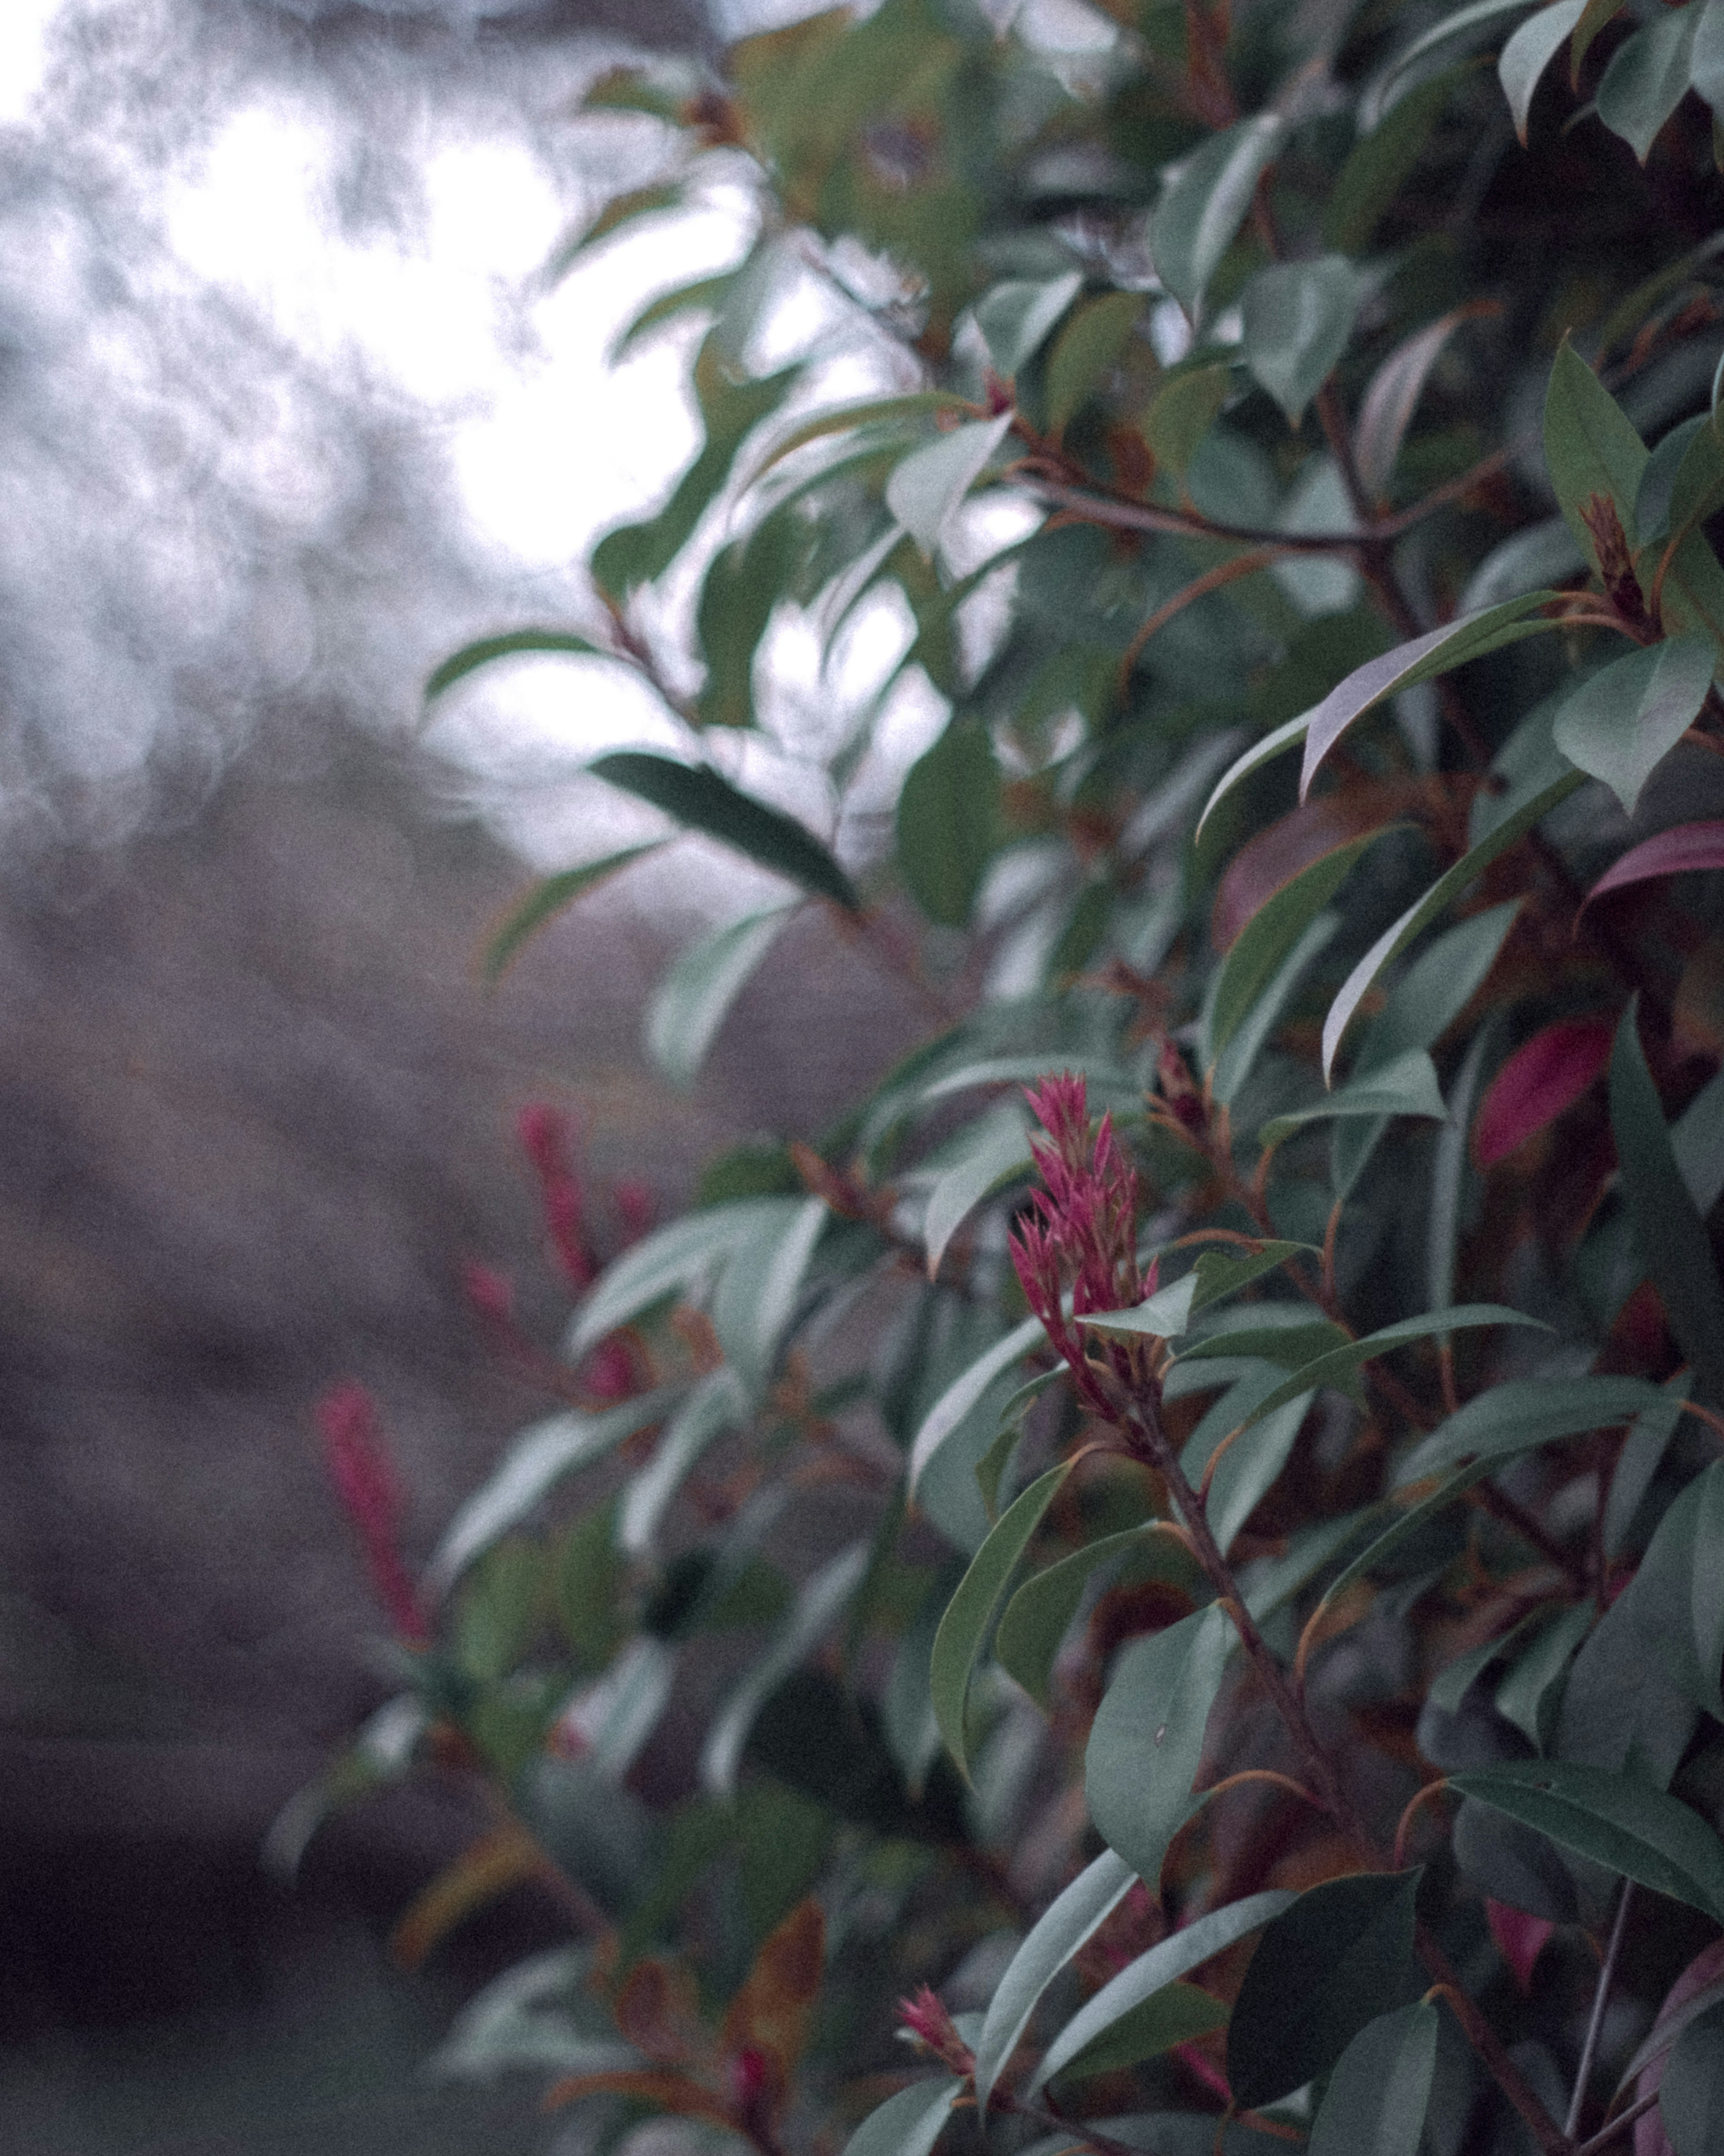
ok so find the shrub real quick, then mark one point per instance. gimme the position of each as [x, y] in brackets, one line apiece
[1193, 1517]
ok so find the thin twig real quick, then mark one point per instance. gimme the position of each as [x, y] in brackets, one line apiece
[1603, 2139]
[1601, 1999]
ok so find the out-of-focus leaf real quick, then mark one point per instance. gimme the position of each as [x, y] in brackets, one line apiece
[1377, 2096]
[1203, 203]
[1184, 409]
[771, 2009]
[972, 1608]
[1590, 448]
[1542, 554]
[694, 997]
[507, 1856]
[1036, 1619]
[1667, 1224]
[907, 2124]
[758, 1292]
[820, 1602]
[1173, 2015]
[1639, 1833]
[1075, 1916]
[1263, 943]
[1450, 1169]
[1016, 317]
[717, 1404]
[1000, 1151]
[1643, 1451]
[1528, 1696]
[917, 404]
[927, 487]
[1146, 1742]
[1685, 850]
[623, 209]
[1338, 1365]
[1593, 18]
[704, 296]
[1380, 163]
[1298, 317]
[1679, 1592]
[1323, 1970]
[1396, 387]
[672, 1261]
[1239, 1059]
[472, 656]
[701, 800]
[1529, 52]
[1544, 1077]
[949, 821]
[1690, 2097]
[1520, 1412]
[1647, 77]
[1401, 1527]
[1091, 343]
[1622, 722]
[744, 583]
[1406, 1086]
[1174, 1957]
[551, 895]
[956, 1402]
[1462, 23]
[1620, 1712]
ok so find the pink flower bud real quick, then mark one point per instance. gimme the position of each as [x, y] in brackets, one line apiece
[365, 1478]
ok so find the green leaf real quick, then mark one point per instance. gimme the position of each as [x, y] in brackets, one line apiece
[1183, 410]
[916, 404]
[1401, 1529]
[1690, 2097]
[1590, 448]
[1323, 1970]
[672, 1261]
[949, 821]
[498, 1610]
[1298, 317]
[1648, 1440]
[1203, 203]
[1622, 722]
[1522, 1413]
[744, 583]
[1163, 1315]
[1016, 317]
[1380, 2089]
[1406, 1086]
[970, 1614]
[999, 1152]
[1239, 1059]
[530, 1469]
[472, 656]
[1706, 62]
[1092, 342]
[1172, 2015]
[550, 896]
[1224, 1272]
[1639, 1833]
[694, 997]
[1262, 945]
[758, 1290]
[1388, 405]
[1040, 1614]
[1647, 77]
[1249, 1468]
[1529, 1695]
[1593, 18]
[704, 296]
[820, 1602]
[1619, 1711]
[907, 2124]
[701, 800]
[621, 210]
[963, 1394]
[1139, 1981]
[1073, 1918]
[1436, 901]
[1658, 482]
[1529, 52]
[1667, 1224]
[1146, 1742]
[928, 486]
[1679, 1592]
[1381, 163]
[1450, 1170]
[1462, 23]
[717, 1404]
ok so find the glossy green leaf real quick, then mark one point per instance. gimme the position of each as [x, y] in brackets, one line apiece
[762, 1282]
[1298, 319]
[1017, 317]
[1406, 1085]
[1174, 1957]
[551, 895]
[1203, 203]
[1273, 744]
[1519, 1413]
[1173, 2015]
[701, 800]
[1622, 722]
[1679, 1592]
[963, 1394]
[1590, 448]
[1257, 1028]
[1647, 77]
[1531, 50]
[694, 997]
[1529, 1695]
[1247, 1470]
[908, 2123]
[516, 642]
[1075, 1916]
[1323, 1970]
[928, 486]
[1690, 2097]
[949, 821]
[1161, 1316]
[1642, 1452]
[1040, 1614]
[1224, 1272]
[1146, 1742]
[1667, 1224]
[1092, 341]
[1435, 902]
[1000, 1151]
[1463, 23]
[1639, 1833]
[1377, 2096]
[971, 1613]
[1658, 482]
[1620, 1712]
[1339, 1364]
[1262, 944]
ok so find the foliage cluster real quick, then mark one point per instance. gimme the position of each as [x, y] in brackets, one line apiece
[1193, 1520]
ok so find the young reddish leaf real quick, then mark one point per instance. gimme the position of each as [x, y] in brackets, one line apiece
[490, 1867]
[1543, 1077]
[1519, 1938]
[770, 2014]
[656, 2011]
[663, 2091]
[1685, 850]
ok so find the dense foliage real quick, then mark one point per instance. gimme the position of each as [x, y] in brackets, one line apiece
[1192, 1523]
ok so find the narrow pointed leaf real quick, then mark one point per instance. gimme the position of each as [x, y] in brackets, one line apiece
[1679, 1592]
[948, 821]
[1298, 318]
[1146, 1743]
[1590, 448]
[1205, 204]
[1239, 1059]
[551, 895]
[472, 656]
[1017, 317]
[916, 404]
[694, 997]
[1401, 1527]
[1254, 758]
[717, 1404]
[1690, 2097]
[1520, 1412]
[672, 1261]
[1398, 385]
[1407, 1086]
[1639, 1833]
[1622, 722]
[1380, 2089]
[1639, 1461]
[1529, 1694]
[1461, 23]
[1647, 77]
[820, 1602]
[1529, 52]
[1000, 1152]
[1162, 1317]
[962, 1394]
[1171, 2016]
[1542, 1078]
[907, 2124]
[701, 800]
[927, 488]
[1706, 60]
[1261, 946]
[1039, 1615]
[1685, 850]
[970, 1614]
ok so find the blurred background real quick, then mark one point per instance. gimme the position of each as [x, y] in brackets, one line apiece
[289, 409]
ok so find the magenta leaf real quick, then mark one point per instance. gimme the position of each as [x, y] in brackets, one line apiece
[1543, 1076]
